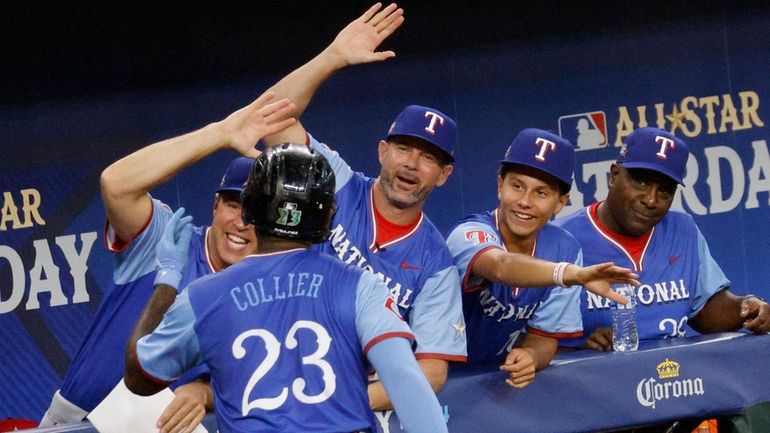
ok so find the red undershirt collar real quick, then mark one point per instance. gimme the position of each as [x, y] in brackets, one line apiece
[633, 245]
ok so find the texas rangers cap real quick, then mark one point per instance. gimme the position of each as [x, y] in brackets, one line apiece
[544, 151]
[236, 175]
[657, 150]
[428, 124]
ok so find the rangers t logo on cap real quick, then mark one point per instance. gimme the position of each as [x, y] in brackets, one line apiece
[429, 125]
[655, 149]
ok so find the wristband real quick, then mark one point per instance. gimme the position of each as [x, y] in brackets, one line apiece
[558, 273]
[750, 295]
[169, 277]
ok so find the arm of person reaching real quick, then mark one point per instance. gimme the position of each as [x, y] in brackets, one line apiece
[171, 255]
[721, 309]
[158, 358]
[355, 44]
[126, 183]
[726, 311]
[414, 401]
[520, 270]
[434, 370]
[535, 353]
[191, 400]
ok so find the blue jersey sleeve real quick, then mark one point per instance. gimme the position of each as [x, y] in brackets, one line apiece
[466, 242]
[711, 279]
[409, 391]
[437, 318]
[559, 315]
[342, 171]
[173, 347]
[377, 315]
[139, 257]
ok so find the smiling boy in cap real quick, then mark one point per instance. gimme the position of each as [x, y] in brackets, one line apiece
[681, 282]
[518, 270]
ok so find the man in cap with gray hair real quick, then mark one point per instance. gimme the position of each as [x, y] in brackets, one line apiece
[380, 225]
[635, 227]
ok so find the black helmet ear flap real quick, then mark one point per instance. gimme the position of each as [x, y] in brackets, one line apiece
[290, 193]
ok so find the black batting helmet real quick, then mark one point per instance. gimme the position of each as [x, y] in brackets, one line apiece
[290, 193]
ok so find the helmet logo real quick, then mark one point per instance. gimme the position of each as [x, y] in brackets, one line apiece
[288, 215]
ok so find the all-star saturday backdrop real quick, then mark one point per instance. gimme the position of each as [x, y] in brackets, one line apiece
[705, 79]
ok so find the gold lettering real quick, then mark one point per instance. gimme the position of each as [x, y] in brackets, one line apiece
[729, 115]
[625, 125]
[642, 111]
[749, 107]
[688, 103]
[30, 198]
[710, 102]
[659, 111]
[9, 213]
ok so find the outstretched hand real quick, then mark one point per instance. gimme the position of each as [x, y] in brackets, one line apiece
[245, 127]
[599, 279]
[357, 42]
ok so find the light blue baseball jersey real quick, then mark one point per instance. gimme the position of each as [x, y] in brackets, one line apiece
[284, 335]
[677, 273]
[98, 366]
[497, 314]
[417, 268]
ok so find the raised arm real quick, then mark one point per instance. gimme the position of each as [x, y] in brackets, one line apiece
[125, 183]
[355, 44]
[521, 270]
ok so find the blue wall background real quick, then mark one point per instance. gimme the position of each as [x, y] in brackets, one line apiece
[59, 148]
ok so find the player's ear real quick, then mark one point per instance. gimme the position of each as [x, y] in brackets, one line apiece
[499, 187]
[563, 200]
[446, 170]
[217, 199]
[614, 173]
[382, 147]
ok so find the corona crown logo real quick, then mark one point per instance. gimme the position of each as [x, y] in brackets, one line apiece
[668, 369]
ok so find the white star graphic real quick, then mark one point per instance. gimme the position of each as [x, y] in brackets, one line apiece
[459, 329]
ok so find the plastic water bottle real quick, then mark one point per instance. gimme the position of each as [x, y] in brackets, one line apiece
[624, 335]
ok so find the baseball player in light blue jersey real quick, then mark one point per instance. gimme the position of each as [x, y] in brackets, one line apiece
[681, 282]
[284, 332]
[135, 225]
[380, 225]
[503, 254]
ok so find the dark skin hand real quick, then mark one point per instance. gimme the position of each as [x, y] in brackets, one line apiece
[136, 381]
[727, 312]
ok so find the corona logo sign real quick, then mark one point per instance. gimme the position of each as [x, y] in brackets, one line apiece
[651, 391]
[668, 369]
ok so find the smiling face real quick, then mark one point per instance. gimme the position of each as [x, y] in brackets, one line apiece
[230, 239]
[528, 199]
[637, 200]
[411, 168]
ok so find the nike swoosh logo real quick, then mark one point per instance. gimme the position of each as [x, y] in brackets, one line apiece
[673, 259]
[405, 265]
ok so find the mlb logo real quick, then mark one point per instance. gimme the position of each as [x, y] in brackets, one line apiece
[585, 130]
